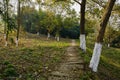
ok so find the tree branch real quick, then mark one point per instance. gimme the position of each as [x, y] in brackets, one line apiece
[100, 4]
[116, 8]
[77, 2]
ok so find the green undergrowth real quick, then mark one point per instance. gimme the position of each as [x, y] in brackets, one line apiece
[109, 67]
[34, 59]
[88, 74]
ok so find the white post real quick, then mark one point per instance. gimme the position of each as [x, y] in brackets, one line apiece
[95, 57]
[82, 42]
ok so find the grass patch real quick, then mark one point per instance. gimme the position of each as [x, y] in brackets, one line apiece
[109, 67]
[34, 59]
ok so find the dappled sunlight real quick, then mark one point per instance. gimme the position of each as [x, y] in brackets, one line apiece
[34, 56]
[43, 43]
[52, 44]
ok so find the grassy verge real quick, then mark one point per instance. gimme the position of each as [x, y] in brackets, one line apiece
[34, 59]
[109, 67]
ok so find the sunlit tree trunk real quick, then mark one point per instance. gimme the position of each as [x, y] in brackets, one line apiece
[98, 45]
[82, 26]
[18, 22]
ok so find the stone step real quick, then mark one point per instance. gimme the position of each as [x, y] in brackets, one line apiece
[76, 62]
[58, 73]
[73, 59]
[72, 55]
[62, 78]
[67, 67]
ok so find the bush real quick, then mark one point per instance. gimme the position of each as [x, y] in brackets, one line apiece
[116, 42]
[8, 70]
[72, 32]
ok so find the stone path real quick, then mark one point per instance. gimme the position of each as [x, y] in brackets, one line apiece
[72, 66]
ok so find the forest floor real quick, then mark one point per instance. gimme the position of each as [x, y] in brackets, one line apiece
[37, 58]
[34, 59]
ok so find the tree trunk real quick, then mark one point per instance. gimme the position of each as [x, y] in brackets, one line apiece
[82, 42]
[5, 34]
[48, 36]
[5, 31]
[109, 37]
[18, 22]
[38, 33]
[108, 45]
[98, 45]
[7, 26]
[58, 38]
[82, 26]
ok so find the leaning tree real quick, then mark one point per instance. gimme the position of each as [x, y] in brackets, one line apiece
[98, 45]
